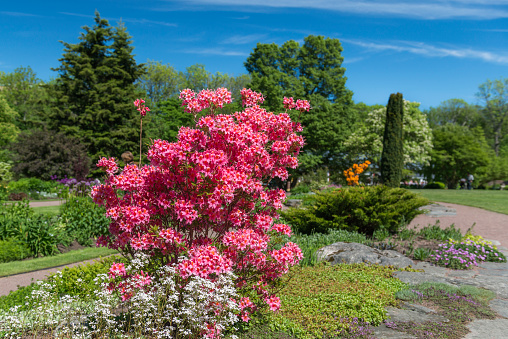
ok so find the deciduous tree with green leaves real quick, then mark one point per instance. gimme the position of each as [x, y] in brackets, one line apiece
[95, 90]
[311, 71]
[26, 94]
[494, 95]
[8, 129]
[457, 151]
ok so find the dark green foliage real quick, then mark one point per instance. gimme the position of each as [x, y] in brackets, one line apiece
[84, 220]
[95, 91]
[392, 158]
[12, 249]
[361, 209]
[436, 232]
[435, 185]
[43, 153]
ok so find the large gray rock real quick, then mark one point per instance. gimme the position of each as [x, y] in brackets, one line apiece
[354, 253]
[293, 202]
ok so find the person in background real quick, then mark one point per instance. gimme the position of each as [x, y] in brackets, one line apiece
[470, 180]
[463, 183]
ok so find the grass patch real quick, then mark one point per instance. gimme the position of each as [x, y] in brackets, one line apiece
[16, 267]
[48, 210]
[496, 201]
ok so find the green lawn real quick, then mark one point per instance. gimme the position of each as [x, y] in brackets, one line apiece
[16, 267]
[52, 210]
[496, 201]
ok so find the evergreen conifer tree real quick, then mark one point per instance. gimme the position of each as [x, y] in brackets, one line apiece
[95, 91]
[392, 158]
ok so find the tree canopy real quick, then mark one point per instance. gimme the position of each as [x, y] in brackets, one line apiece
[494, 95]
[457, 151]
[312, 71]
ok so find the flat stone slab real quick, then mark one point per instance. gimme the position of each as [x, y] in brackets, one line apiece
[488, 329]
[436, 210]
[354, 253]
[500, 306]
[417, 315]
[383, 332]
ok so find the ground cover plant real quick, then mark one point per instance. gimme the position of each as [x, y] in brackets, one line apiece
[496, 201]
[459, 305]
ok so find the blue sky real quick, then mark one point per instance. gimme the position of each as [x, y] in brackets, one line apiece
[429, 50]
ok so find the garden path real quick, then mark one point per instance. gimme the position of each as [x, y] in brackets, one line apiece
[490, 225]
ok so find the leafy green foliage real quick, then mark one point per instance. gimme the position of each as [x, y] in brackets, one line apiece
[312, 71]
[26, 95]
[436, 232]
[29, 185]
[494, 95]
[8, 130]
[13, 249]
[5, 171]
[457, 151]
[82, 220]
[35, 231]
[392, 158]
[95, 90]
[361, 209]
[454, 111]
[43, 153]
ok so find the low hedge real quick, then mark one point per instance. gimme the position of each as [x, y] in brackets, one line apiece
[361, 209]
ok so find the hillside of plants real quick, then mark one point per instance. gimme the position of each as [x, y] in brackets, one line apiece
[184, 174]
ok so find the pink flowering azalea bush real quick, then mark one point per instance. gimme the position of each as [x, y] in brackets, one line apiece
[202, 205]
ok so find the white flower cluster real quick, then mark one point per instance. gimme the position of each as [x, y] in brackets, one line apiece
[164, 310]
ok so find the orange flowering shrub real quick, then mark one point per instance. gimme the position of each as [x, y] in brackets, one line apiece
[353, 174]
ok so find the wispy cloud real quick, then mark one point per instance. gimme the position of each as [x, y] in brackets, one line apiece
[421, 9]
[19, 14]
[215, 51]
[132, 20]
[431, 51]
[243, 39]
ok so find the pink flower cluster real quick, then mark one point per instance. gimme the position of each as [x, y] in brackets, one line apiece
[205, 197]
[251, 98]
[140, 104]
[129, 283]
[300, 105]
[195, 103]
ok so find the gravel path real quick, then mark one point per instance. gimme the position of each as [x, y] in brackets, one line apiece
[490, 225]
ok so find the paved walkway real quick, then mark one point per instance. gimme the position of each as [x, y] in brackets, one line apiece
[490, 225]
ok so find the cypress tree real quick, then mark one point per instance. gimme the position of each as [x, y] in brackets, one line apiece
[95, 91]
[392, 158]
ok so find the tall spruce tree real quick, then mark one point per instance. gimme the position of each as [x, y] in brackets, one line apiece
[392, 158]
[95, 90]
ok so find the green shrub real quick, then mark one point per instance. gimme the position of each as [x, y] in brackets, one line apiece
[13, 249]
[435, 185]
[83, 220]
[35, 231]
[361, 209]
[302, 188]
